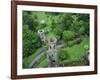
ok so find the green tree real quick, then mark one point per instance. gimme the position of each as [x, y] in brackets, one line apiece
[30, 20]
[66, 21]
[30, 41]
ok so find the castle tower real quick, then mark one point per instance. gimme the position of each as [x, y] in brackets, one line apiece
[52, 52]
[41, 34]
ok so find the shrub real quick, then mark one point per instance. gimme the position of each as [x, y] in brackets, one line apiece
[82, 30]
[68, 35]
[63, 54]
[70, 43]
[86, 47]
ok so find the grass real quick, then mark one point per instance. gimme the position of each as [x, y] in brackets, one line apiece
[28, 60]
[43, 63]
[43, 57]
[77, 51]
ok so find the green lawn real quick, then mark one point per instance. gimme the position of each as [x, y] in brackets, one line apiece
[28, 60]
[43, 63]
[76, 52]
